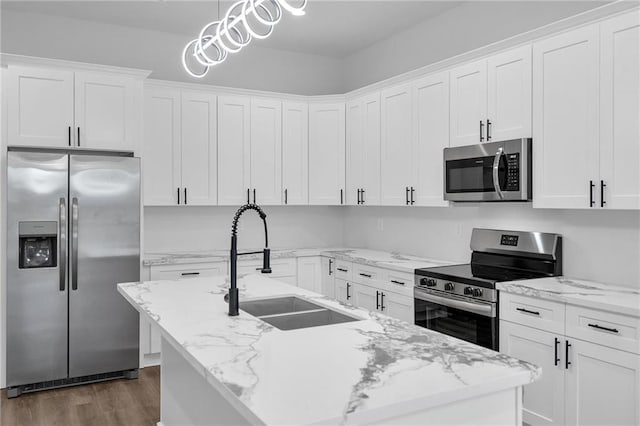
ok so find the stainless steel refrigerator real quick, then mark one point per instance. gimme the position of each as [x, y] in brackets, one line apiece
[73, 233]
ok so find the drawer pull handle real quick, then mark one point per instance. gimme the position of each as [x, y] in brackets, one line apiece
[599, 327]
[556, 342]
[341, 270]
[528, 311]
[567, 363]
[186, 274]
[397, 282]
[365, 275]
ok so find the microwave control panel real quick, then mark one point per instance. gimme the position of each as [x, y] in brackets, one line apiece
[513, 172]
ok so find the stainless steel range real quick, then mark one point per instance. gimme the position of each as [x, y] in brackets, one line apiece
[462, 300]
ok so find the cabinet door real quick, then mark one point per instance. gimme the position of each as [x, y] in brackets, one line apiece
[398, 306]
[602, 386]
[371, 150]
[199, 149]
[161, 165]
[396, 143]
[355, 149]
[543, 399]
[344, 291]
[565, 119]
[310, 273]
[328, 277]
[266, 151]
[326, 154]
[509, 95]
[431, 136]
[233, 150]
[365, 297]
[295, 153]
[620, 111]
[468, 104]
[104, 111]
[40, 107]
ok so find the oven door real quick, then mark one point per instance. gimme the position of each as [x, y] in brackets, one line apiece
[497, 171]
[475, 322]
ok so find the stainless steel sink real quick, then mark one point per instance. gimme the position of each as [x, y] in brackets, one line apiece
[279, 305]
[292, 313]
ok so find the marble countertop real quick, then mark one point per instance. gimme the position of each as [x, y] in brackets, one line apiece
[382, 259]
[357, 371]
[623, 300]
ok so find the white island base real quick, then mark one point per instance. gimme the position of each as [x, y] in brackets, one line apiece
[187, 398]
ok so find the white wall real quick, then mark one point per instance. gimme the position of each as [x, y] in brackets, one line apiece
[202, 228]
[598, 245]
[469, 26]
[83, 41]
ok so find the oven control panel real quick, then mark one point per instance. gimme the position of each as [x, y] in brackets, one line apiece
[459, 289]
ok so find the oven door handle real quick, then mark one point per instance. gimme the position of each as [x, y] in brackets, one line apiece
[496, 165]
[484, 309]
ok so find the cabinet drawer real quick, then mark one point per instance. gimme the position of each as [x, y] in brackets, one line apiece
[542, 314]
[368, 275]
[279, 267]
[176, 272]
[398, 282]
[604, 328]
[344, 270]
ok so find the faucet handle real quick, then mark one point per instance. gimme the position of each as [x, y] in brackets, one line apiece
[266, 261]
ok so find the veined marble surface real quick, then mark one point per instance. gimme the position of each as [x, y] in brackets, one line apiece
[623, 300]
[388, 260]
[377, 366]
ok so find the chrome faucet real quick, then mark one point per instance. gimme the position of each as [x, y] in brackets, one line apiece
[266, 266]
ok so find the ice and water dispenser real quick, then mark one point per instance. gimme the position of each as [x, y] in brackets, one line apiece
[38, 245]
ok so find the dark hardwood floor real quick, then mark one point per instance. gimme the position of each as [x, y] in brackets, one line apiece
[118, 402]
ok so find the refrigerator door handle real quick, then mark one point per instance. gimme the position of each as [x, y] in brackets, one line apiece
[62, 230]
[74, 243]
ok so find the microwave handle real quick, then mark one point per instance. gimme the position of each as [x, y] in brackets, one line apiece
[496, 164]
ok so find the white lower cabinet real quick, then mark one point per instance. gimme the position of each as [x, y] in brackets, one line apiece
[344, 291]
[328, 284]
[583, 382]
[397, 306]
[310, 273]
[284, 270]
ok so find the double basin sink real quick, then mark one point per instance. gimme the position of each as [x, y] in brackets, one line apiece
[293, 313]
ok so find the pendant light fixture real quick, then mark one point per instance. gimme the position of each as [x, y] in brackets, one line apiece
[244, 21]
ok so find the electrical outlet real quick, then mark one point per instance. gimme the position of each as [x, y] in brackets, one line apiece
[380, 224]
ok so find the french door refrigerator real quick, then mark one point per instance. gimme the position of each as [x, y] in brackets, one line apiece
[73, 233]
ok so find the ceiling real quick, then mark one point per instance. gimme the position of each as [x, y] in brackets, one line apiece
[335, 28]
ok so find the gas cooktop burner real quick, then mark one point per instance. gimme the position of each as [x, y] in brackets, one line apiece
[481, 275]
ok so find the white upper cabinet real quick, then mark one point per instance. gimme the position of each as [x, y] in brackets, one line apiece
[233, 150]
[509, 95]
[620, 112]
[199, 149]
[40, 107]
[491, 98]
[363, 151]
[179, 152]
[326, 153]
[468, 103]
[161, 164]
[104, 111]
[396, 146]
[295, 153]
[60, 108]
[565, 119]
[266, 151]
[431, 136]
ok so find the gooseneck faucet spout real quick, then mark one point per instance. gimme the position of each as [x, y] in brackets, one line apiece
[266, 265]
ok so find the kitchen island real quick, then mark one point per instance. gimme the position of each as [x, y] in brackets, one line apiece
[218, 369]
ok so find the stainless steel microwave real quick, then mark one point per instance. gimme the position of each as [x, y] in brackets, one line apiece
[493, 171]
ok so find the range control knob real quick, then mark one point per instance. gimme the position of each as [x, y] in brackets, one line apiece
[468, 291]
[431, 282]
[424, 281]
[449, 286]
[477, 292]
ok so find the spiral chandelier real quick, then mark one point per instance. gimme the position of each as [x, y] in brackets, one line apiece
[244, 21]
